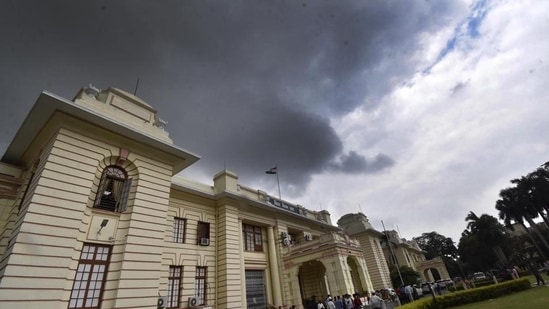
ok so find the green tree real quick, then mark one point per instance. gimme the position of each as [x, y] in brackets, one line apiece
[537, 183]
[489, 232]
[474, 254]
[511, 209]
[436, 245]
[409, 276]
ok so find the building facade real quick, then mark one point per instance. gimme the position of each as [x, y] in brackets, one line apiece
[358, 226]
[402, 252]
[382, 249]
[93, 215]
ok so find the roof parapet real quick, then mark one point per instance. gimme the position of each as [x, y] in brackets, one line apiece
[122, 106]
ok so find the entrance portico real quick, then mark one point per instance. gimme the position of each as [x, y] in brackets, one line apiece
[332, 264]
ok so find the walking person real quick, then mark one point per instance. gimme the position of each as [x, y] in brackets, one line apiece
[536, 274]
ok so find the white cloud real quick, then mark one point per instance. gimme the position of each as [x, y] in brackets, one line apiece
[458, 134]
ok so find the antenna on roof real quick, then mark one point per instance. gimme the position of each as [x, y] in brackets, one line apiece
[136, 85]
[398, 230]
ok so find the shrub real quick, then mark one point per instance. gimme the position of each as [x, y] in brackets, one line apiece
[471, 295]
[484, 282]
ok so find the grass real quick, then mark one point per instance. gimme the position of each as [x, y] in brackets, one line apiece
[534, 298]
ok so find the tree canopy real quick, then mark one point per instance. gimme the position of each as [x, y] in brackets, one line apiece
[409, 276]
[481, 244]
[435, 245]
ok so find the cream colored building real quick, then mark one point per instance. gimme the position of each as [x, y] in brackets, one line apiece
[379, 256]
[404, 252]
[93, 215]
[358, 226]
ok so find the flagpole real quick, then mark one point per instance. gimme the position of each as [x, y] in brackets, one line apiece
[278, 182]
[393, 256]
[274, 170]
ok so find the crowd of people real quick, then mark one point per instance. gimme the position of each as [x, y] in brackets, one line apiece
[402, 295]
[347, 301]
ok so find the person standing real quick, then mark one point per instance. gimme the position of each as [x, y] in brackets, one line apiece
[320, 305]
[357, 303]
[339, 303]
[330, 303]
[311, 304]
[348, 301]
[409, 293]
[375, 301]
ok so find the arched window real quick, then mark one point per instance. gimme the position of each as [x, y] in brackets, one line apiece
[113, 190]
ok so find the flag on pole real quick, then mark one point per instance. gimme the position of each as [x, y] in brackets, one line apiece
[272, 171]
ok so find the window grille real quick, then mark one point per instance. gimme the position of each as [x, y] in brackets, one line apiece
[113, 191]
[200, 285]
[174, 287]
[179, 227]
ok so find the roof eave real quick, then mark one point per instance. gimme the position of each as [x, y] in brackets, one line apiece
[48, 103]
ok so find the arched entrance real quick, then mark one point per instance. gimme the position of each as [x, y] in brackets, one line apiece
[356, 274]
[432, 270]
[431, 274]
[312, 280]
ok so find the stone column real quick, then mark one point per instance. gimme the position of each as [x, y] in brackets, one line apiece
[334, 278]
[273, 264]
[296, 291]
[229, 271]
[242, 266]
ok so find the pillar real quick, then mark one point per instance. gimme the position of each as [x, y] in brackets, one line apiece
[273, 264]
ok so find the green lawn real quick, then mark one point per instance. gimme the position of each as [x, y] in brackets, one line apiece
[535, 298]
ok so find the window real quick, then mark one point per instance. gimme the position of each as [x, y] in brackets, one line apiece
[179, 226]
[91, 273]
[200, 285]
[203, 233]
[252, 238]
[174, 287]
[113, 190]
[293, 238]
[256, 296]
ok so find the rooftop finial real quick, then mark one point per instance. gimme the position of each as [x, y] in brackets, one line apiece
[92, 91]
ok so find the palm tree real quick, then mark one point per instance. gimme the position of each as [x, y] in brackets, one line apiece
[524, 198]
[489, 231]
[538, 184]
[510, 211]
[474, 253]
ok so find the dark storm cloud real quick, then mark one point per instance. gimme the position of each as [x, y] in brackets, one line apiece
[353, 163]
[245, 84]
